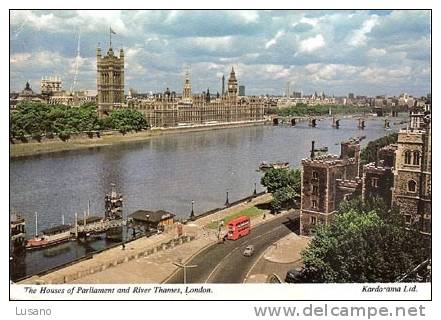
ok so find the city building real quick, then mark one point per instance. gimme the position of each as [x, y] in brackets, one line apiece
[169, 110]
[378, 181]
[326, 181]
[50, 85]
[110, 80]
[157, 220]
[401, 176]
[242, 91]
[27, 94]
[412, 191]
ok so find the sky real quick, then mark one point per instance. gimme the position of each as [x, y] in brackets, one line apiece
[337, 52]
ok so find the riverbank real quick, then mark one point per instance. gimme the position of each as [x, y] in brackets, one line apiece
[52, 146]
[148, 260]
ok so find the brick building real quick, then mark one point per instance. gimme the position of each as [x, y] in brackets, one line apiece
[401, 176]
[412, 191]
[326, 181]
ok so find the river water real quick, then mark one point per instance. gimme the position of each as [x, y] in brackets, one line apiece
[165, 172]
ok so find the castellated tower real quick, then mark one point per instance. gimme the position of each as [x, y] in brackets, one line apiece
[110, 81]
[412, 190]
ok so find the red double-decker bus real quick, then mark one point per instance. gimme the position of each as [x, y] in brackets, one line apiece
[238, 227]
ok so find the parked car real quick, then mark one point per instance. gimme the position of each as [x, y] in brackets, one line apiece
[294, 275]
[249, 250]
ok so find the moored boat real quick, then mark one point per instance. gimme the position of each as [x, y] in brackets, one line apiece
[50, 237]
[273, 165]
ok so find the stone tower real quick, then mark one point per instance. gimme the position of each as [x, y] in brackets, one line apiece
[223, 84]
[186, 94]
[326, 181]
[110, 81]
[232, 84]
[412, 191]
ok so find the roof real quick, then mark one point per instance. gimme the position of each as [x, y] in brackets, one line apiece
[151, 216]
[60, 228]
[239, 219]
[90, 219]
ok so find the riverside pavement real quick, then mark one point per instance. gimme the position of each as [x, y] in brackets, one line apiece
[278, 259]
[156, 267]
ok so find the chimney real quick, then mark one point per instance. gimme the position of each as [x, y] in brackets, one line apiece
[312, 150]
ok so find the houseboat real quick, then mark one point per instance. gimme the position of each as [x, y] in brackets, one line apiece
[264, 166]
[50, 236]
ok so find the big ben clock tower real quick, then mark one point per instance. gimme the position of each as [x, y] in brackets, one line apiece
[232, 84]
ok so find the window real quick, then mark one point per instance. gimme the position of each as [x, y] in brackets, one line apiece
[411, 186]
[314, 175]
[314, 204]
[315, 190]
[374, 182]
[313, 220]
[407, 157]
[416, 158]
[408, 218]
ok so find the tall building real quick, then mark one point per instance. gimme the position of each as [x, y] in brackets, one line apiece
[412, 191]
[223, 84]
[232, 84]
[50, 85]
[378, 176]
[186, 93]
[169, 110]
[242, 91]
[327, 180]
[110, 80]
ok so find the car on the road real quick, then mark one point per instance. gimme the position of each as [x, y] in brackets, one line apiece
[249, 250]
[294, 275]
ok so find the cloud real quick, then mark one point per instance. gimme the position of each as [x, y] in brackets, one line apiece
[334, 51]
[311, 44]
[359, 37]
[376, 53]
[273, 40]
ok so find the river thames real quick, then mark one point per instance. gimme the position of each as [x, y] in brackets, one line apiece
[165, 172]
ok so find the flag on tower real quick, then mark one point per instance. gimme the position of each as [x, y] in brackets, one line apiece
[111, 31]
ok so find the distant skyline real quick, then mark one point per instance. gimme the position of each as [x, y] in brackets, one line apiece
[338, 52]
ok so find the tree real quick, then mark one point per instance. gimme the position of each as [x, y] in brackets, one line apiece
[126, 120]
[284, 184]
[369, 153]
[37, 119]
[360, 246]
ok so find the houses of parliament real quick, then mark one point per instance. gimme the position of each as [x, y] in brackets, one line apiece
[169, 109]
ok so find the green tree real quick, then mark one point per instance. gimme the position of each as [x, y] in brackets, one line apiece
[284, 184]
[363, 247]
[369, 153]
[126, 120]
[38, 119]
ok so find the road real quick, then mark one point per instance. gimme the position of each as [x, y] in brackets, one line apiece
[225, 262]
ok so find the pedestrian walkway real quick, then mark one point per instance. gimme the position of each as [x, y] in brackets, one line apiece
[116, 265]
[286, 250]
[278, 258]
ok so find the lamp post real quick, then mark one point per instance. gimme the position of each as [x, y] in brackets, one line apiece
[184, 267]
[227, 201]
[255, 189]
[192, 210]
